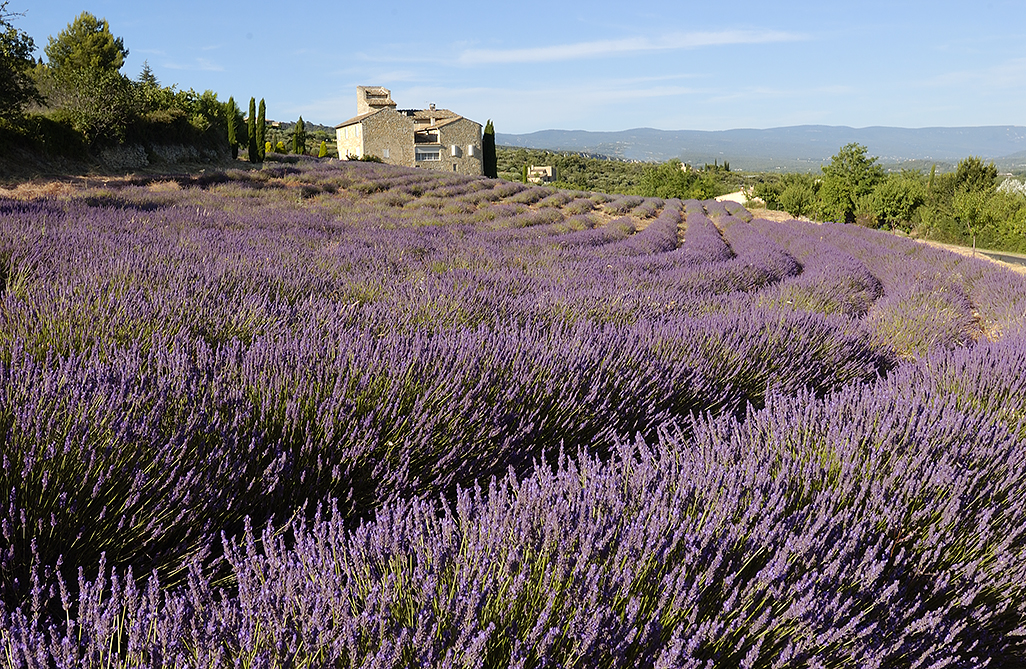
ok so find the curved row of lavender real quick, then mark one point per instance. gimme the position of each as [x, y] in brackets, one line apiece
[359, 415]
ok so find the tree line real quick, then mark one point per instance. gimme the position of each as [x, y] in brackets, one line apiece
[968, 206]
[577, 171]
[77, 101]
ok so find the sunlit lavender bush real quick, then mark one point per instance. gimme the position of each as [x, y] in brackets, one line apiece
[323, 415]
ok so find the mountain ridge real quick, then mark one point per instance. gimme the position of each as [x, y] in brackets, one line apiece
[789, 147]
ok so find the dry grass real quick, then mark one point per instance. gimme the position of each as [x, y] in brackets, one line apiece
[65, 187]
[771, 215]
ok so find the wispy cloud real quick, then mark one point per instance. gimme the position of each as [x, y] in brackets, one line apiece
[604, 48]
[583, 94]
[516, 109]
[399, 57]
[1006, 74]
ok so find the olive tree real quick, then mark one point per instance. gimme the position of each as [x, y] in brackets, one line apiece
[850, 176]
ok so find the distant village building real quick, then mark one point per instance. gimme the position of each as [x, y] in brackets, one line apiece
[437, 139]
[541, 174]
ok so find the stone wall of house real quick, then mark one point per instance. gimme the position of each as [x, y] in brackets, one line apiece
[350, 141]
[389, 136]
[462, 134]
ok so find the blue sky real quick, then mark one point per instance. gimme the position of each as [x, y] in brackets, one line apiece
[593, 65]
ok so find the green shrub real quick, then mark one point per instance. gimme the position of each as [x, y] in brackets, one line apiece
[42, 134]
[99, 104]
[799, 198]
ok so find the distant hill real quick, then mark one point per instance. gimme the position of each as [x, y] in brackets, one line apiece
[795, 148]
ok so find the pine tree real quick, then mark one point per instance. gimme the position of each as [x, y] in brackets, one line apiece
[254, 152]
[299, 137]
[233, 133]
[488, 160]
[261, 128]
[147, 78]
[86, 43]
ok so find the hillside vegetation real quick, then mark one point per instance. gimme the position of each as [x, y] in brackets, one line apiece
[598, 173]
[76, 111]
[349, 414]
[968, 206]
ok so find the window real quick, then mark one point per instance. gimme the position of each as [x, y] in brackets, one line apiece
[428, 153]
[384, 153]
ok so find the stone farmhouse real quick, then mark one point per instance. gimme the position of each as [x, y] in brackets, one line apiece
[437, 139]
[541, 174]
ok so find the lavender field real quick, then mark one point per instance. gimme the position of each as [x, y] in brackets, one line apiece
[355, 415]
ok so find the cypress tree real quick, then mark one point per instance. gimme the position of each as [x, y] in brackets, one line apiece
[261, 128]
[488, 158]
[323, 151]
[233, 133]
[299, 137]
[254, 152]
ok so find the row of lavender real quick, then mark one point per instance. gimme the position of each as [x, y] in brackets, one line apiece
[882, 525]
[175, 361]
[154, 398]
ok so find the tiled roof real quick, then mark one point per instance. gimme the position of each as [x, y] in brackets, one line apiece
[428, 114]
[357, 119]
[446, 121]
[421, 117]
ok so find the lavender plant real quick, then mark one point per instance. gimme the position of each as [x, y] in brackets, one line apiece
[537, 435]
